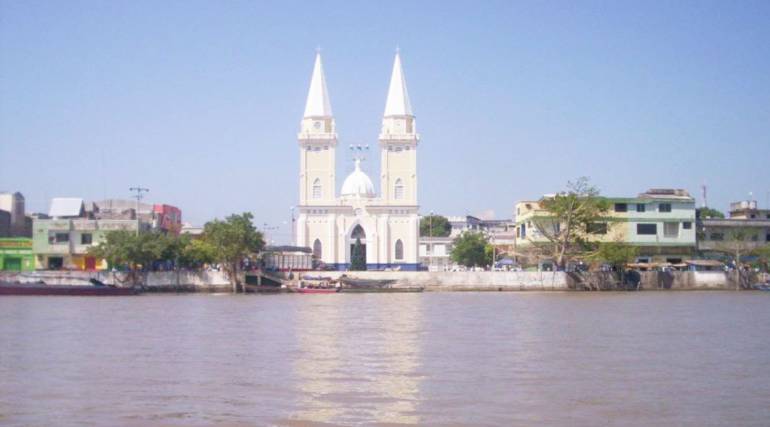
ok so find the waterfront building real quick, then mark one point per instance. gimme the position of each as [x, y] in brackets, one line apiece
[660, 222]
[161, 217]
[287, 258]
[387, 224]
[16, 254]
[62, 240]
[13, 220]
[435, 252]
[745, 229]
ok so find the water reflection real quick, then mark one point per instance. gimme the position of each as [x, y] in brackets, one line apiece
[359, 361]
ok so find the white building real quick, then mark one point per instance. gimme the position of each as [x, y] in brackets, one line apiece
[386, 224]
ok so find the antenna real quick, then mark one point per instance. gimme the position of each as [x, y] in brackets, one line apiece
[705, 199]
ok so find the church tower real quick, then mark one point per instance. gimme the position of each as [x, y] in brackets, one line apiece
[317, 143]
[398, 144]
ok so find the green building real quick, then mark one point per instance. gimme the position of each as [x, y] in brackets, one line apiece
[16, 254]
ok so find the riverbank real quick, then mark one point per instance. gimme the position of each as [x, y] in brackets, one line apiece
[216, 281]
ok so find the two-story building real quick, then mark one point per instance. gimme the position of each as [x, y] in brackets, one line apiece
[660, 222]
[62, 240]
[745, 229]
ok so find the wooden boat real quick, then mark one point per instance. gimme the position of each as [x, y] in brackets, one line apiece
[317, 290]
[95, 288]
[382, 290]
[351, 282]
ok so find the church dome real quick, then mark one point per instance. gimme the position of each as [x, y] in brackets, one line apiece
[357, 184]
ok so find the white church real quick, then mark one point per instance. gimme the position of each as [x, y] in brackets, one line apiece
[330, 222]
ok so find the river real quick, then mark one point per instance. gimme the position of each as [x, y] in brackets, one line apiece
[443, 359]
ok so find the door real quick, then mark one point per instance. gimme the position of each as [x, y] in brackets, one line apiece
[90, 263]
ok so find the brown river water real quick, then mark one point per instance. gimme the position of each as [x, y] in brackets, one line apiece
[443, 359]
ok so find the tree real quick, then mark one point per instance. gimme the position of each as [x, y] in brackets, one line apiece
[194, 253]
[358, 258]
[737, 243]
[470, 249]
[435, 226]
[570, 214]
[232, 240]
[708, 213]
[763, 255]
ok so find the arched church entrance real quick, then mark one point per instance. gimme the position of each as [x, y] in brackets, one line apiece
[358, 234]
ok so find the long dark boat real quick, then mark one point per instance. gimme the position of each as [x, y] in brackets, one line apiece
[94, 288]
[353, 285]
[381, 290]
[351, 282]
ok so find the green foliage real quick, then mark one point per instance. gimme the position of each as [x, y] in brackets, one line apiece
[708, 213]
[193, 253]
[123, 247]
[571, 213]
[231, 240]
[358, 258]
[617, 254]
[435, 226]
[763, 255]
[471, 249]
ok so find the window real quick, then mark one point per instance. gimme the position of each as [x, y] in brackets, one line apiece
[597, 228]
[647, 229]
[671, 229]
[640, 207]
[767, 237]
[62, 238]
[86, 239]
[717, 236]
[317, 249]
[755, 238]
[664, 207]
[399, 249]
[399, 193]
[621, 207]
[317, 188]
[523, 230]
[687, 225]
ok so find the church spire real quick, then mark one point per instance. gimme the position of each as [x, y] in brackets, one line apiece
[318, 104]
[398, 98]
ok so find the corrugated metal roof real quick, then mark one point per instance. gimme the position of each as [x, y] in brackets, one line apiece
[66, 207]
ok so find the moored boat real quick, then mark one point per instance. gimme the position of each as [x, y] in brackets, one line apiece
[317, 290]
[382, 290]
[94, 288]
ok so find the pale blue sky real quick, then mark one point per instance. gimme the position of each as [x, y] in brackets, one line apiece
[201, 101]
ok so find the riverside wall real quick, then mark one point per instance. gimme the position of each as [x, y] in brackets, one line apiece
[216, 281]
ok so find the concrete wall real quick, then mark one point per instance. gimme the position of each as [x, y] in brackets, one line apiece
[654, 280]
[464, 281]
[162, 281]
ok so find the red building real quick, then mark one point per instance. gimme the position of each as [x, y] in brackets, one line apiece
[167, 218]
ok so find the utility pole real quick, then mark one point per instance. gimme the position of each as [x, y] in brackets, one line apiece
[705, 200]
[139, 195]
[430, 236]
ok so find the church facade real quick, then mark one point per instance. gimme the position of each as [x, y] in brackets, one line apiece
[387, 224]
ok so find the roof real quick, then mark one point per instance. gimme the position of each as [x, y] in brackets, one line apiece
[66, 207]
[287, 248]
[398, 98]
[318, 103]
[704, 262]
